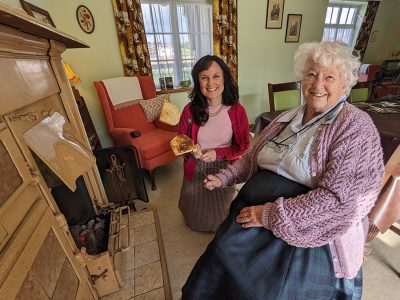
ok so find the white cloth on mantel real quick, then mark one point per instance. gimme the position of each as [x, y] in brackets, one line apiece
[123, 89]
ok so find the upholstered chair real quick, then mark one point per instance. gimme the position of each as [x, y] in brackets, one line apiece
[128, 125]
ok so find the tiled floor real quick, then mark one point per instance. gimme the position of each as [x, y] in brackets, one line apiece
[145, 263]
[183, 246]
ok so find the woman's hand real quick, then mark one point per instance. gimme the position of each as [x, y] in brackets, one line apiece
[209, 156]
[251, 216]
[197, 153]
[211, 182]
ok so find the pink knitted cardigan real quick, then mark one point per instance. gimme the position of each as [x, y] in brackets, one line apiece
[347, 171]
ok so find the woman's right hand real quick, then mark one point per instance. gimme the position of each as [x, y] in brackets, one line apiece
[211, 182]
[197, 153]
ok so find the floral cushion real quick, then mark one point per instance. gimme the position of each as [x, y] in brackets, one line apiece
[152, 107]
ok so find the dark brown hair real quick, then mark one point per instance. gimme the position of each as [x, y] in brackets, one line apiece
[199, 105]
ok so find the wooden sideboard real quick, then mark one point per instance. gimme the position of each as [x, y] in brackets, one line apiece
[38, 257]
[91, 132]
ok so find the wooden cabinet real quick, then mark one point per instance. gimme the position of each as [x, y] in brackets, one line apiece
[91, 133]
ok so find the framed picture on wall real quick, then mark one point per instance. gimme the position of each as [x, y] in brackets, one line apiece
[293, 28]
[85, 18]
[37, 12]
[274, 13]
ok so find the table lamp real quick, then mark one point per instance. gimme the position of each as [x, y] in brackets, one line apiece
[70, 74]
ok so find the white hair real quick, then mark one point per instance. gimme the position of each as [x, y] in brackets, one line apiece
[328, 54]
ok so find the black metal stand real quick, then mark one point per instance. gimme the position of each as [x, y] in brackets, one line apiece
[122, 178]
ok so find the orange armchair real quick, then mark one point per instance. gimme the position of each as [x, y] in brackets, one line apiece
[129, 126]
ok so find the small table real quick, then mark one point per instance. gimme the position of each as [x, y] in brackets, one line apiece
[388, 125]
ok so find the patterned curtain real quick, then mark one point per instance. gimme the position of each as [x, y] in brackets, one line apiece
[365, 29]
[225, 33]
[132, 37]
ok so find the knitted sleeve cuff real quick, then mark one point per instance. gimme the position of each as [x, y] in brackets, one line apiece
[223, 179]
[265, 215]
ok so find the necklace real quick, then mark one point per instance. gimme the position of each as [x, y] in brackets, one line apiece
[216, 112]
[274, 144]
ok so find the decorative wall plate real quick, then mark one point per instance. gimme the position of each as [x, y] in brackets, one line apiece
[85, 19]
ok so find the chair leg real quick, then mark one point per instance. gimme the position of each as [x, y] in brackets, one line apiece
[152, 179]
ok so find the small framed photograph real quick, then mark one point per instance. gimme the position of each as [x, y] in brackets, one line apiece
[293, 28]
[162, 83]
[169, 83]
[274, 14]
[37, 12]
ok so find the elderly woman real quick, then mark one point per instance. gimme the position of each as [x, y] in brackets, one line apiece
[298, 226]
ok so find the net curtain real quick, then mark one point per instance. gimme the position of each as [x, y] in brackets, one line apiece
[133, 44]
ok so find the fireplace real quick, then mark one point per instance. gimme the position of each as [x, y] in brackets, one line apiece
[59, 236]
[39, 258]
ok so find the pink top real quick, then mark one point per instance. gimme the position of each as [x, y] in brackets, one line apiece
[217, 132]
[240, 138]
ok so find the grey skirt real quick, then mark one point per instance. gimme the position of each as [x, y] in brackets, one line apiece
[204, 210]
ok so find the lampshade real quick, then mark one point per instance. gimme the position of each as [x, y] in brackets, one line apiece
[71, 75]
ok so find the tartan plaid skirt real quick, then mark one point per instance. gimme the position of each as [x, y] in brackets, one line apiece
[205, 210]
[254, 264]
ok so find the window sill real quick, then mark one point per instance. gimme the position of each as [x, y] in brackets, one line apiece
[175, 90]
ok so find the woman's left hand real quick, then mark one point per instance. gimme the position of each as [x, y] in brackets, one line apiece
[251, 216]
[209, 156]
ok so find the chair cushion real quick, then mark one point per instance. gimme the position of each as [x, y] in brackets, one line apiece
[131, 117]
[287, 99]
[359, 95]
[152, 107]
[153, 143]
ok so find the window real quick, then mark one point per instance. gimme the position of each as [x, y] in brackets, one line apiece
[178, 33]
[341, 23]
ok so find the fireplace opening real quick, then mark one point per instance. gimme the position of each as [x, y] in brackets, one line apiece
[88, 229]
[95, 227]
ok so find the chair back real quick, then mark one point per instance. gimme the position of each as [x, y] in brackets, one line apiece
[131, 116]
[284, 96]
[387, 208]
[360, 92]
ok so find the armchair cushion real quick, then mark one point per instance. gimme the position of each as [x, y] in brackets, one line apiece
[152, 107]
[153, 143]
[131, 117]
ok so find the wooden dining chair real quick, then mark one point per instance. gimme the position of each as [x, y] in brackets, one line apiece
[361, 92]
[386, 211]
[283, 96]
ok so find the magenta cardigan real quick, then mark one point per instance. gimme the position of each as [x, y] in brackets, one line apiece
[347, 171]
[240, 139]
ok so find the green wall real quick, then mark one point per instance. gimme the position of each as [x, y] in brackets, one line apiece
[101, 61]
[263, 55]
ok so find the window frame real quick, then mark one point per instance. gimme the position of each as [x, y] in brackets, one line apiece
[339, 26]
[178, 61]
